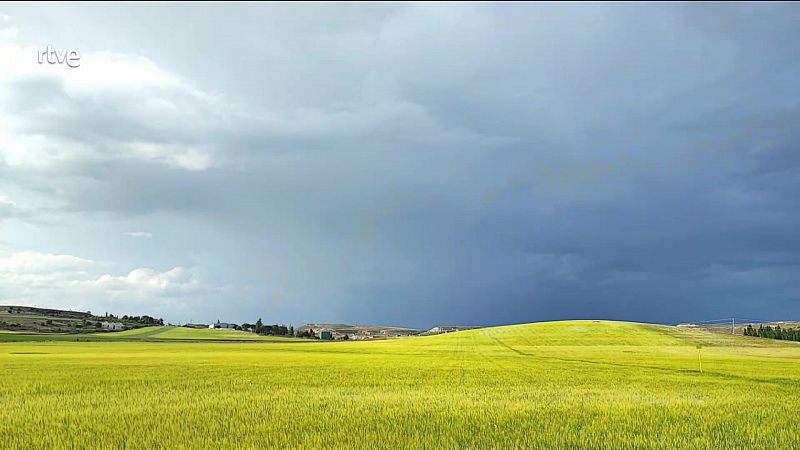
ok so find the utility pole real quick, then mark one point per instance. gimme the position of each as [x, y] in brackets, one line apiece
[700, 357]
[733, 325]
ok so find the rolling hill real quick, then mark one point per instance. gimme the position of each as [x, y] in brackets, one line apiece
[571, 384]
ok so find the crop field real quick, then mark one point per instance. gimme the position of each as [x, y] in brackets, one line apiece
[183, 333]
[575, 384]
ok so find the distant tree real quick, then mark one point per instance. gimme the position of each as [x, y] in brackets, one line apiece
[259, 326]
[307, 333]
[788, 334]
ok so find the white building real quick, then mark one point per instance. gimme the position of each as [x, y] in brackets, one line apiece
[112, 326]
[221, 325]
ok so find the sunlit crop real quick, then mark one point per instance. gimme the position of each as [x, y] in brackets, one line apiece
[576, 384]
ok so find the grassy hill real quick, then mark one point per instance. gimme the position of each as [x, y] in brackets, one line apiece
[572, 384]
[217, 334]
[29, 319]
[155, 333]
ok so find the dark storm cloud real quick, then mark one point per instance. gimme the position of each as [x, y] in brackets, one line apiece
[479, 163]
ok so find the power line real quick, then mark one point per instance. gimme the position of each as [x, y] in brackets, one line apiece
[734, 320]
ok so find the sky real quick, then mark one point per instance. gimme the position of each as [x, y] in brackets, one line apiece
[402, 164]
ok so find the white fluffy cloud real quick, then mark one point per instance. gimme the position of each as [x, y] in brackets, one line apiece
[29, 262]
[146, 282]
[34, 278]
[43, 132]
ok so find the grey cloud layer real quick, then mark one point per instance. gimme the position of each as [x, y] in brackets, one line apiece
[421, 164]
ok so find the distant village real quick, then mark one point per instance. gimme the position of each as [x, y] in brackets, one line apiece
[45, 320]
[329, 331]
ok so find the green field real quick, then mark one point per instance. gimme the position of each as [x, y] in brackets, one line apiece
[155, 334]
[205, 334]
[577, 384]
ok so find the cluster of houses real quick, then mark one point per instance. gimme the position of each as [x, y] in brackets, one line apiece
[322, 334]
[447, 329]
[330, 332]
[112, 326]
[217, 324]
[333, 331]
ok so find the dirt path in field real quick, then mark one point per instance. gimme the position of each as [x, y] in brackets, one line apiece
[148, 334]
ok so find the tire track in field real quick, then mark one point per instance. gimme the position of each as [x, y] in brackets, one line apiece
[149, 334]
[724, 376]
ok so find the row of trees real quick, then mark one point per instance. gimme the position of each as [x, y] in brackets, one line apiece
[307, 333]
[270, 330]
[785, 334]
[277, 330]
[143, 320]
[140, 320]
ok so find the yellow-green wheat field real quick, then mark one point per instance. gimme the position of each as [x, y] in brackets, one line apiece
[575, 384]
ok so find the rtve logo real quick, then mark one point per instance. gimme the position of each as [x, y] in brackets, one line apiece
[72, 58]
